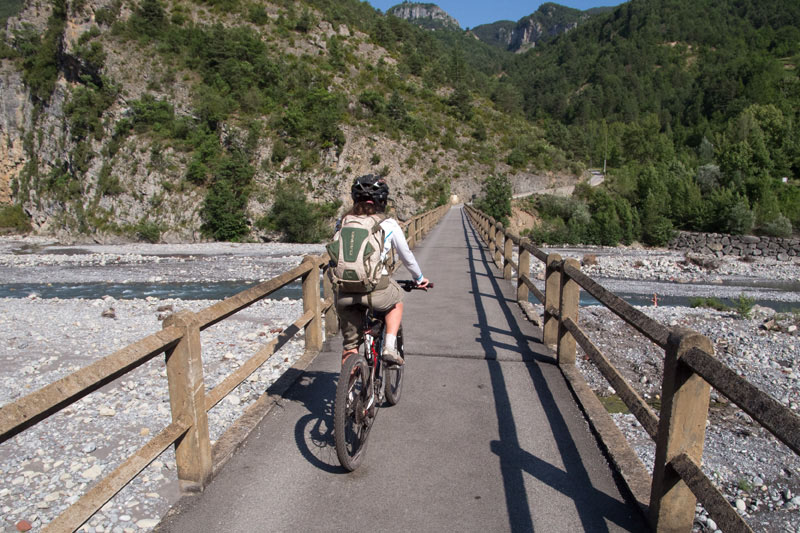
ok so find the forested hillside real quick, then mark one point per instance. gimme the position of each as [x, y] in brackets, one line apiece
[192, 119]
[694, 105]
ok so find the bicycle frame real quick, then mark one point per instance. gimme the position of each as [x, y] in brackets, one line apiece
[373, 342]
[365, 381]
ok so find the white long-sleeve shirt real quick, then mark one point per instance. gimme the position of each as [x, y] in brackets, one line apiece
[395, 239]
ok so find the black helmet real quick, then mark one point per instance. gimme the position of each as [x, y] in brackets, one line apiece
[370, 188]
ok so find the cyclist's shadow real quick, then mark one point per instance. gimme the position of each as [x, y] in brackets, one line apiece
[313, 432]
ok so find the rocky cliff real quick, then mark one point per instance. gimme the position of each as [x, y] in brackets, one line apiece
[430, 16]
[548, 21]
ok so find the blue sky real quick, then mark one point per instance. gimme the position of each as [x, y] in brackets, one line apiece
[471, 13]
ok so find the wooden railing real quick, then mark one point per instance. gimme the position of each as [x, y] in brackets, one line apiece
[690, 369]
[179, 340]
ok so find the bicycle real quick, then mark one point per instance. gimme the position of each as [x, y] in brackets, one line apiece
[365, 382]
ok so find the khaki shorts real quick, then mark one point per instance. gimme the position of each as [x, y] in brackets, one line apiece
[350, 308]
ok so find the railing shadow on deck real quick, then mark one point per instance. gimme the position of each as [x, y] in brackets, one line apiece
[594, 508]
[196, 459]
[678, 482]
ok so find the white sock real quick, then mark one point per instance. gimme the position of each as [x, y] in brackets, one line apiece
[390, 341]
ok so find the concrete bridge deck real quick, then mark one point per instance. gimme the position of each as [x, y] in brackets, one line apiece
[486, 437]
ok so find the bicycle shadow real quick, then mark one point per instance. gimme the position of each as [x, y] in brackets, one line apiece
[313, 432]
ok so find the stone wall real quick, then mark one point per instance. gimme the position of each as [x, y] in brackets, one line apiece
[737, 245]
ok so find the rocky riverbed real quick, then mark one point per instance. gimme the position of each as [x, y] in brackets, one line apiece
[758, 474]
[46, 468]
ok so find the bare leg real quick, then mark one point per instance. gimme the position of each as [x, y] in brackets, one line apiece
[347, 353]
[394, 318]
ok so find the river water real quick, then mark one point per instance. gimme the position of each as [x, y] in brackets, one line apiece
[218, 290]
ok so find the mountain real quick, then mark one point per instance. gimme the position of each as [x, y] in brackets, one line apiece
[193, 120]
[187, 121]
[428, 16]
[546, 22]
[699, 116]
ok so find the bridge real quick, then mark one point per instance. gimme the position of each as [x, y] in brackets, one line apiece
[486, 436]
[496, 430]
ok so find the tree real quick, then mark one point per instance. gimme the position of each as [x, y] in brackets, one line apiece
[496, 198]
[298, 219]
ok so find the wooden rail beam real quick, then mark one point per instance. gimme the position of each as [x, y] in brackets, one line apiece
[227, 307]
[37, 406]
[714, 502]
[648, 327]
[91, 502]
[643, 413]
[259, 358]
[776, 418]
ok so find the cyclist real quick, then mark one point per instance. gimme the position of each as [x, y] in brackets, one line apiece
[370, 194]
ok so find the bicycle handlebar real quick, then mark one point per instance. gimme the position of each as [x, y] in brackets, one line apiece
[409, 285]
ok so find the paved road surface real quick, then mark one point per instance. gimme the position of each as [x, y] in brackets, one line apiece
[486, 436]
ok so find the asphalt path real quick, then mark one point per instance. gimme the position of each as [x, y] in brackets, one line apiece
[486, 437]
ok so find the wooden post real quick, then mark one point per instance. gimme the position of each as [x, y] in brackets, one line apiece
[311, 302]
[412, 229]
[570, 303]
[491, 238]
[331, 317]
[681, 429]
[187, 402]
[498, 246]
[508, 251]
[524, 270]
[552, 299]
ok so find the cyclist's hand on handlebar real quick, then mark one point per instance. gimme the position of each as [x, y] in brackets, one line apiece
[424, 284]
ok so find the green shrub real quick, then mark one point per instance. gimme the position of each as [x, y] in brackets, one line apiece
[257, 14]
[108, 15]
[744, 305]
[14, 218]
[148, 231]
[108, 184]
[279, 152]
[373, 101]
[305, 22]
[298, 219]
[711, 303]
[780, 226]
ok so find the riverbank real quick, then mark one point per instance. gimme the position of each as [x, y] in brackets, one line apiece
[44, 469]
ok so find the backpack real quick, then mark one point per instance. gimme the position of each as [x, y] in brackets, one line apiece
[355, 253]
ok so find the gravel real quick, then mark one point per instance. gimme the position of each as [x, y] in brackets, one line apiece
[47, 467]
[758, 474]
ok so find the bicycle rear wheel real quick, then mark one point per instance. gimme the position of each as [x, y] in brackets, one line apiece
[394, 375]
[351, 422]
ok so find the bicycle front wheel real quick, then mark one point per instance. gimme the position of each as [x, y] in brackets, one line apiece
[351, 421]
[394, 375]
